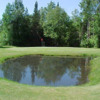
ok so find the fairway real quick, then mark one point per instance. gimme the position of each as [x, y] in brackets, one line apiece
[14, 91]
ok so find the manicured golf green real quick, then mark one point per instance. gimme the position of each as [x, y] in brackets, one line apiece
[14, 91]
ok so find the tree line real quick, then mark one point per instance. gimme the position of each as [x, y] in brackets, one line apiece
[51, 25]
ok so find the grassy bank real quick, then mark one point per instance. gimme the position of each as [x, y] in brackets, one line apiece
[14, 91]
[10, 52]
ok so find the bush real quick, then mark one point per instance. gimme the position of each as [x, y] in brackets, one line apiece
[90, 42]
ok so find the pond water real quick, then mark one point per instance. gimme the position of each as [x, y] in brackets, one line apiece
[46, 70]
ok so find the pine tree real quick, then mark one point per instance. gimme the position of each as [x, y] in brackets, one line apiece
[35, 27]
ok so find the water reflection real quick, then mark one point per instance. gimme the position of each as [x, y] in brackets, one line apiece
[46, 71]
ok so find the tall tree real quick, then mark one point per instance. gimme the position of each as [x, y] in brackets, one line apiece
[57, 26]
[86, 6]
[1, 29]
[36, 29]
[20, 28]
[96, 21]
[90, 37]
[44, 11]
[7, 25]
[15, 24]
[77, 22]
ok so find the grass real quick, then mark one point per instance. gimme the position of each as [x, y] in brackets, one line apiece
[14, 91]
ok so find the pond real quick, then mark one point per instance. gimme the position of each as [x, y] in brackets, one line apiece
[46, 70]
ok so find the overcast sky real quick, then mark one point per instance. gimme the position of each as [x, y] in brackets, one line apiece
[67, 5]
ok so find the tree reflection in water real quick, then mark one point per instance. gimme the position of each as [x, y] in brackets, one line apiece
[47, 68]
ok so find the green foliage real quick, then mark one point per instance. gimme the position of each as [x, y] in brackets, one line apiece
[91, 42]
[77, 22]
[3, 38]
[14, 24]
[57, 25]
[7, 18]
[35, 28]
[88, 28]
[52, 24]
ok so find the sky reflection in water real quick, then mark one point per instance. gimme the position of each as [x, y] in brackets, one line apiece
[46, 70]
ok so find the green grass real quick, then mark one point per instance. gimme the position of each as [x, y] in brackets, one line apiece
[14, 91]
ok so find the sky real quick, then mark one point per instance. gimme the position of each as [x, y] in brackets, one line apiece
[67, 5]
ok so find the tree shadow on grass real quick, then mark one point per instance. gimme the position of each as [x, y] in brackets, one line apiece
[5, 47]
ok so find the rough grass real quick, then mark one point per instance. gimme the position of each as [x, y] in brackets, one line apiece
[14, 91]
